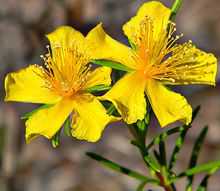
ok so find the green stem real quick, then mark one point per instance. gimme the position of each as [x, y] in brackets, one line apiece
[163, 183]
[175, 8]
[149, 161]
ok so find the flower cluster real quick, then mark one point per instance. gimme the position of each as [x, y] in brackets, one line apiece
[154, 60]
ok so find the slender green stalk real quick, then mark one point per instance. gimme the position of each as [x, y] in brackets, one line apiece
[175, 8]
[116, 167]
[150, 162]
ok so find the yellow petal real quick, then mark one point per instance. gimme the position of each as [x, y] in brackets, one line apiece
[128, 97]
[167, 105]
[158, 14]
[100, 76]
[47, 122]
[89, 118]
[104, 47]
[26, 85]
[64, 36]
[68, 45]
[189, 65]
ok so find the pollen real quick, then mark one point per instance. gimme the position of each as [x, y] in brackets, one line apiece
[65, 70]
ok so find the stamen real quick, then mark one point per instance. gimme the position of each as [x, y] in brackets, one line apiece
[65, 72]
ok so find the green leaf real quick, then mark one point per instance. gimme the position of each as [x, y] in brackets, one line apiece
[204, 183]
[207, 167]
[162, 149]
[150, 161]
[175, 8]
[195, 152]
[157, 155]
[142, 128]
[163, 136]
[195, 113]
[67, 127]
[141, 186]
[139, 130]
[141, 125]
[148, 117]
[133, 46]
[98, 88]
[111, 64]
[197, 147]
[55, 140]
[178, 146]
[29, 114]
[181, 138]
[116, 167]
[111, 109]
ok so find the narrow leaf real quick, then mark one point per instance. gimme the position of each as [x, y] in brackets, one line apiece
[195, 152]
[162, 149]
[141, 125]
[204, 183]
[195, 113]
[197, 147]
[98, 88]
[133, 46]
[141, 186]
[163, 136]
[111, 64]
[67, 127]
[151, 163]
[157, 156]
[116, 167]
[207, 167]
[111, 109]
[141, 129]
[29, 114]
[181, 138]
[55, 140]
[148, 117]
[175, 8]
[178, 146]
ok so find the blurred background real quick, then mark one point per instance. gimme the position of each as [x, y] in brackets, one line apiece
[39, 167]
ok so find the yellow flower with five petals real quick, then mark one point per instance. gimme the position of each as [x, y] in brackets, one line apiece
[156, 60]
[63, 83]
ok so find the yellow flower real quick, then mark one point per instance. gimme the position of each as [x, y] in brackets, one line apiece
[156, 60]
[63, 82]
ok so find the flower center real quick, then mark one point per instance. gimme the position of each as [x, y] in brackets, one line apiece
[65, 72]
[155, 50]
